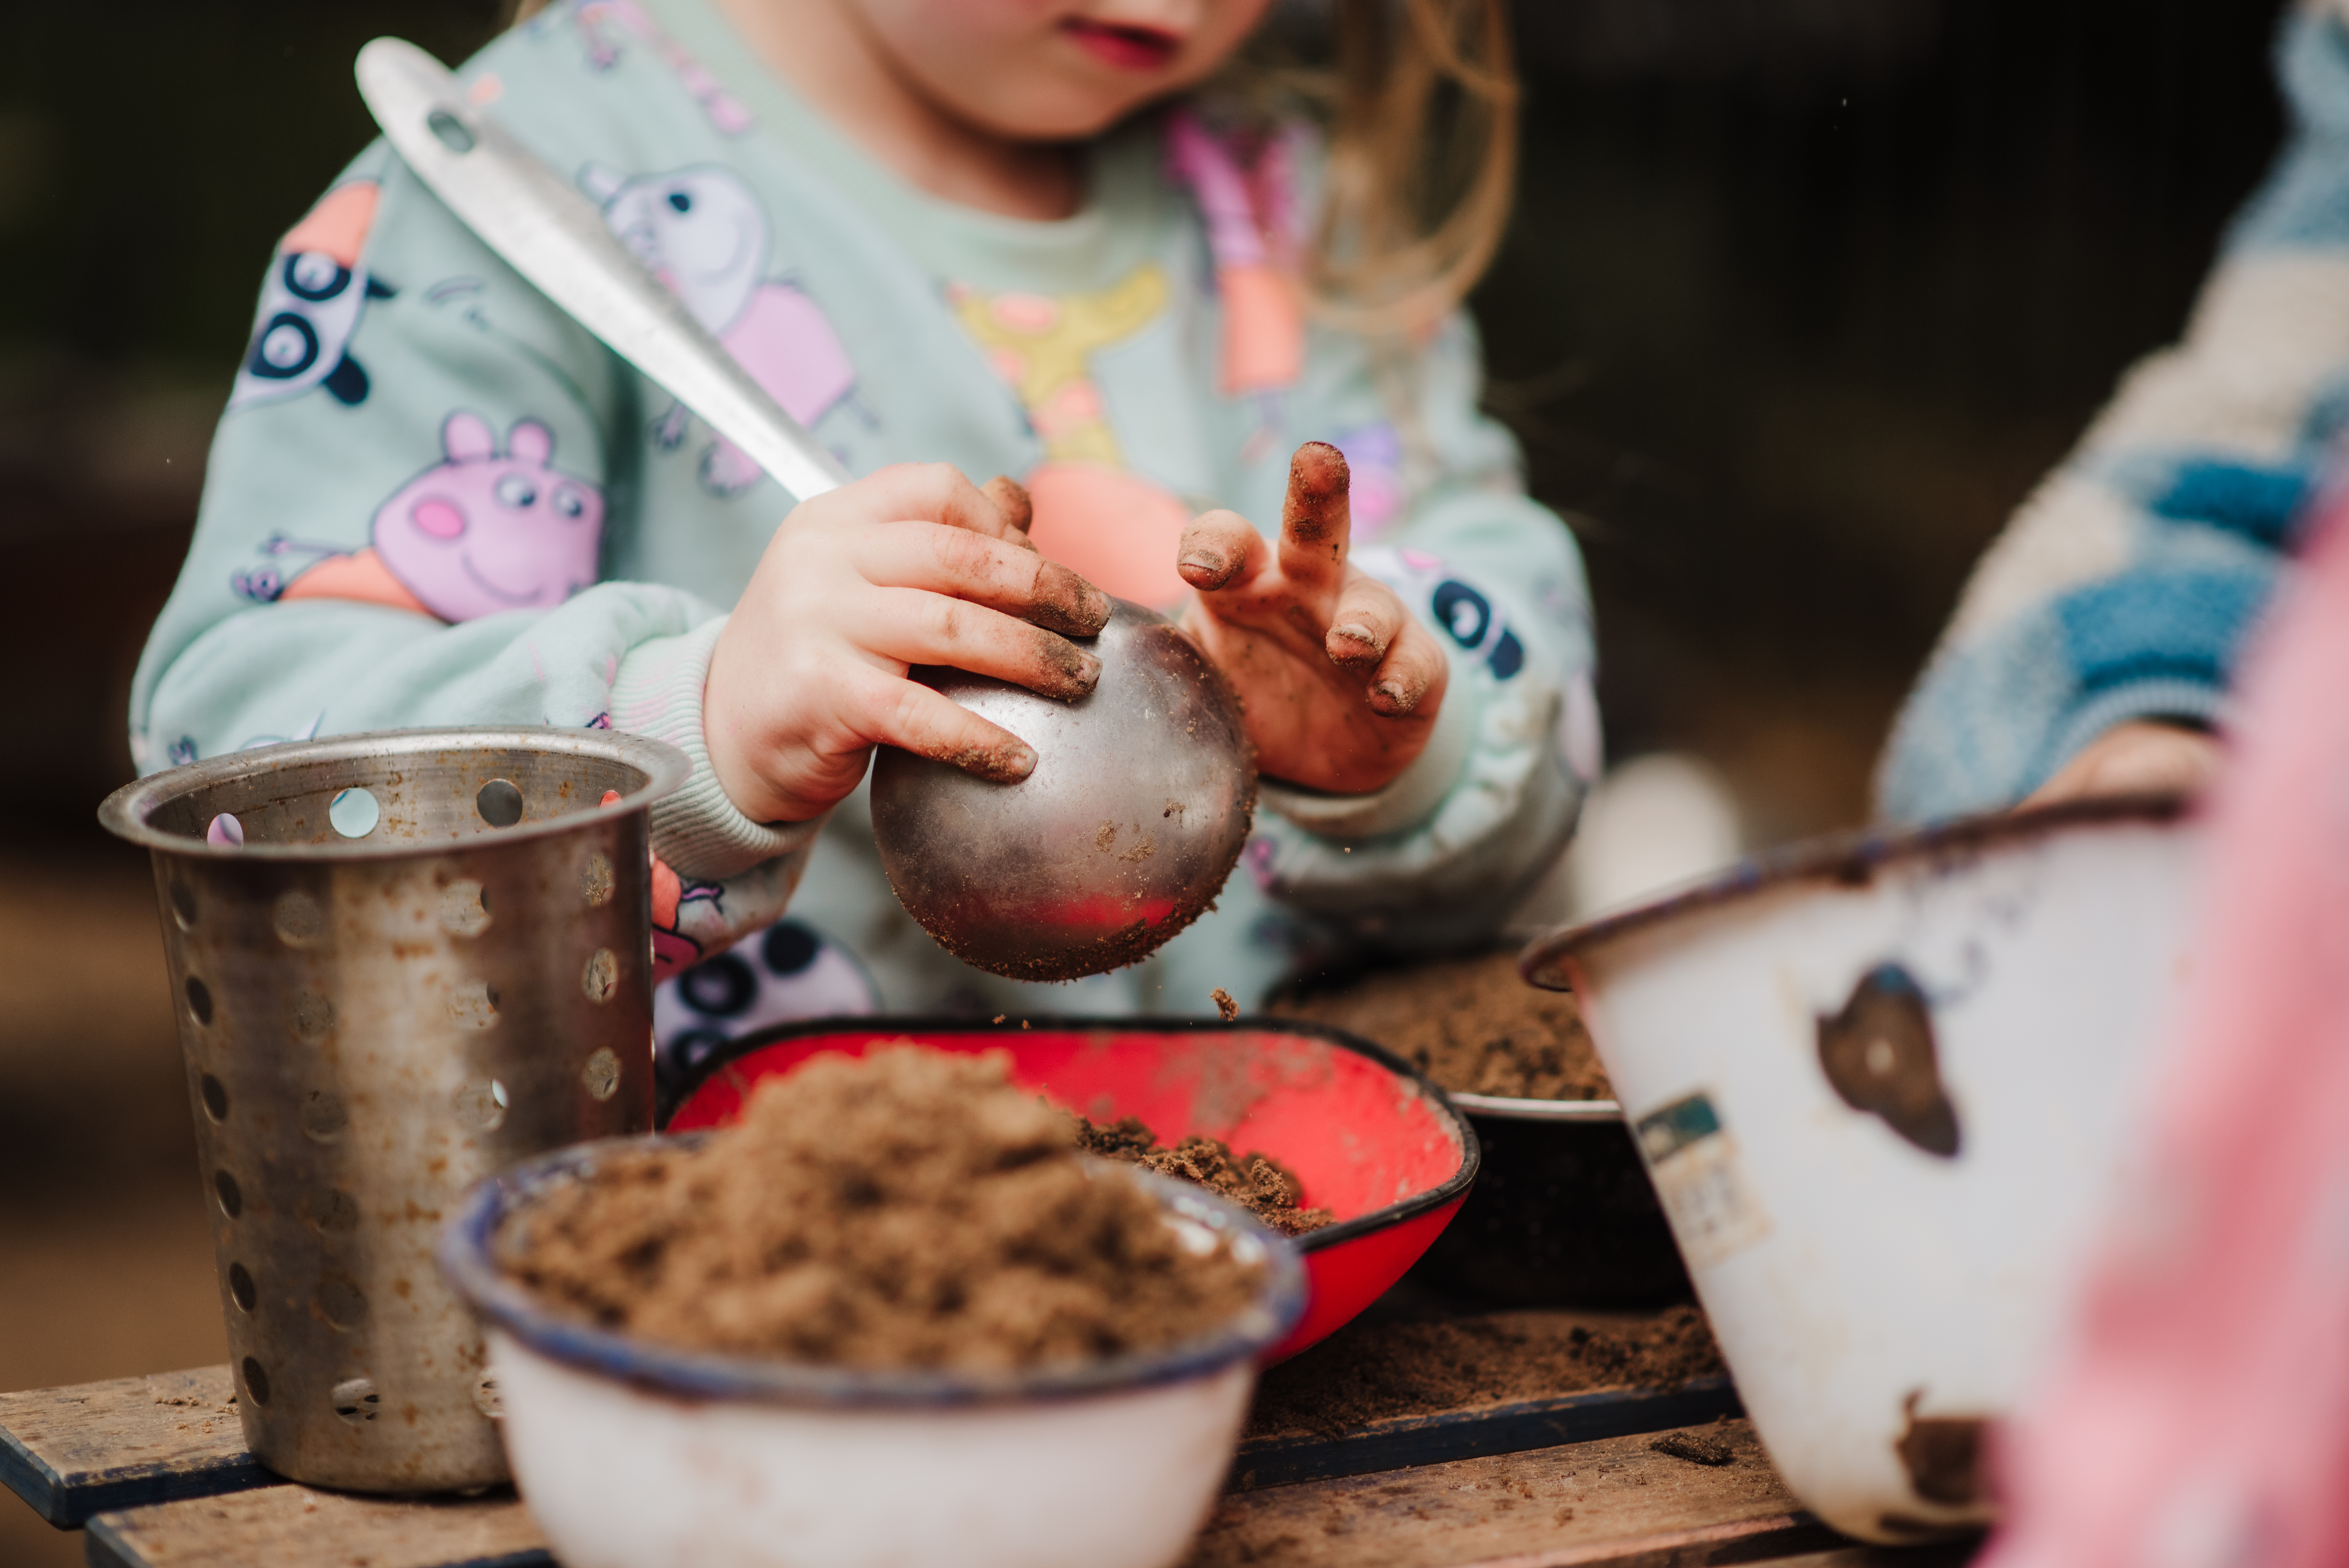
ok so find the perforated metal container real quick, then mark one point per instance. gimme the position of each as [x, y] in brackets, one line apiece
[402, 961]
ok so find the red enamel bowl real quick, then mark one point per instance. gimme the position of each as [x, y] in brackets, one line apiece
[1369, 1138]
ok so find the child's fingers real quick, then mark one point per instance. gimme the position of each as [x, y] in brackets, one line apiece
[1367, 619]
[933, 492]
[994, 572]
[893, 711]
[1413, 672]
[1012, 499]
[1218, 549]
[914, 627]
[1315, 520]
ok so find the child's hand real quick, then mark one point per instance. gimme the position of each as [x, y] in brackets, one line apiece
[911, 565]
[1341, 682]
[2137, 757]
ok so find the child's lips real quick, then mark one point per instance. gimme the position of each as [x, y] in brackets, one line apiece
[1127, 48]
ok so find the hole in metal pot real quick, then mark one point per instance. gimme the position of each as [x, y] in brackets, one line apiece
[473, 1005]
[199, 1000]
[323, 1118]
[183, 904]
[298, 919]
[339, 1215]
[256, 1381]
[231, 1196]
[601, 1076]
[240, 1287]
[464, 909]
[602, 976]
[500, 803]
[481, 1105]
[341, 1303]
[354, 813]
[225, 831]
[356, 1401]
[215, 1097]
[595, 881]
[314, 1015]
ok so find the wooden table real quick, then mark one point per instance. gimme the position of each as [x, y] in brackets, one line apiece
[156, 1469]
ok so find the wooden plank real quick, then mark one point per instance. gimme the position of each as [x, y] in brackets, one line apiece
[288, 1526]
[101, 1447]
[77, 1451]
[1504, 1429]
[1617, 1502]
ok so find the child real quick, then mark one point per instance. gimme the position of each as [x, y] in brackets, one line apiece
[991, 239]
[2094, 649]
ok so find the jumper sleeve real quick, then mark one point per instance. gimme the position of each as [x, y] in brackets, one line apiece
[1442, 854]
[2123, 588]
[406, 513]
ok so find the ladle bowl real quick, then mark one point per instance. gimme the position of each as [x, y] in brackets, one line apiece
[1137, 809]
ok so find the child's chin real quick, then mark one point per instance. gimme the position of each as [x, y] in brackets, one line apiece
[1056, 111]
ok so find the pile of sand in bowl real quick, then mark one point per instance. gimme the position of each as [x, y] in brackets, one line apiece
[1471, 1024]
[909, 1209]
[1257, 1182]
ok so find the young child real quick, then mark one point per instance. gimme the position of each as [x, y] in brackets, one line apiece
[987, 237]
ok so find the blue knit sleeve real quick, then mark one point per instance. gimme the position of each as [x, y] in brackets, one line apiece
[2125, 585]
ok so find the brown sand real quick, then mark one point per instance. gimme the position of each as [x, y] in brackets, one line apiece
[1473, 1024]
[1374, 1372]
[910, 1209]
[1257, 1182]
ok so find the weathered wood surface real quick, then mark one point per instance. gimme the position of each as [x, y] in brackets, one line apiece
[1613, 1504]
[77, 1451]
[287, 1526]
[1503, 1428]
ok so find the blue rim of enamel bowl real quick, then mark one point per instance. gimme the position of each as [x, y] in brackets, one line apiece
[467, 1255]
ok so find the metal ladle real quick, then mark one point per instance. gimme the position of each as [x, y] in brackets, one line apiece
[1143, 791]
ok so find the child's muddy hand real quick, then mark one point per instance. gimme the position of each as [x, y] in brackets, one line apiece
[1341, 682]
[912, 565]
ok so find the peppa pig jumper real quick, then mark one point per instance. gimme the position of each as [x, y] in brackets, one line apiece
[515, 526]
[481, 532]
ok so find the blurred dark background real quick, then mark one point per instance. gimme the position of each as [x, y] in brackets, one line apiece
[1802, 296]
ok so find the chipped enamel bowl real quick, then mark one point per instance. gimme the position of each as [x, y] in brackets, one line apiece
[1884, 1085]
[632, 1453]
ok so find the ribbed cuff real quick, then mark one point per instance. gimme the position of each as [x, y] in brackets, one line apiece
[2188, 702]
[698, 831]
[1410, 798]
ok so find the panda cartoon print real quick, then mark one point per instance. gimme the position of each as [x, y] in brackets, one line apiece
[701, 231]
[311, 305]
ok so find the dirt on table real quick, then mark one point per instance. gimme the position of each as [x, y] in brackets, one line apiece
[909, 1209]
[1377, 1371]
[1257, 1182]
[1473, 1024]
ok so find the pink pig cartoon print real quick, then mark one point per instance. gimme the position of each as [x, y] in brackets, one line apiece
[705, 236]
[310, 307]
[481, 532]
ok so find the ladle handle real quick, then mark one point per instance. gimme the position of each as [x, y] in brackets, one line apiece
[557, 237]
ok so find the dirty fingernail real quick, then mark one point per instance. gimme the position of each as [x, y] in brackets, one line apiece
[1202, 564]
[1393, 698]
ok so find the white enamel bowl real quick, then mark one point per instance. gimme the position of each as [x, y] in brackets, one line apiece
[1885, 1086]
[635, 1455]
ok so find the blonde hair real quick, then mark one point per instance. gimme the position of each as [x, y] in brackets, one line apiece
[1419, 101]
